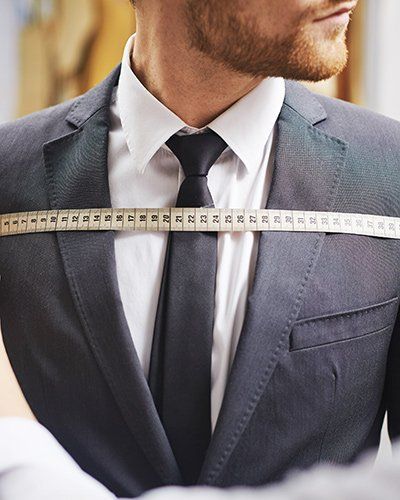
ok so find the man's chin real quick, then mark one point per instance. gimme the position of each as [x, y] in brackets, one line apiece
[313, 70]
[306, 55]
[317, 63]
[322, 69]
[319, 59]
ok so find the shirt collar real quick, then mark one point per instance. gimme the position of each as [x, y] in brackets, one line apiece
[147, 123]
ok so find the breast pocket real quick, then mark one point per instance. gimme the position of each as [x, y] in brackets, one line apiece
[343, 325]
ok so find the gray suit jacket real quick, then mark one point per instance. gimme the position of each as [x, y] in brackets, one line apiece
[317, 363]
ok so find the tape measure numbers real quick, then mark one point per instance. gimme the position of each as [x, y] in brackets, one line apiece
[197, 219]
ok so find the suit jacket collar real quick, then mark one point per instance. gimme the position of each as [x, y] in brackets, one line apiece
[303, 102]
[308, 165]
[94, 99]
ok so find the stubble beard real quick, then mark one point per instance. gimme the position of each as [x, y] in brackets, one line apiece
[299, 55]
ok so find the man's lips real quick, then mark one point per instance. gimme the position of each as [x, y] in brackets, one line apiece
[343, 12]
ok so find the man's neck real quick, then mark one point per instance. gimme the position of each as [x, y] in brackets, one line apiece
[190, 84]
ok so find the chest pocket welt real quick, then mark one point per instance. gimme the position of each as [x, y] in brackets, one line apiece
[344, 325]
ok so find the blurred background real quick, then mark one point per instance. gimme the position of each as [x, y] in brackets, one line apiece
[52, 50]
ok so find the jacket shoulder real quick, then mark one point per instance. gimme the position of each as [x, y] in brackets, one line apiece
[27, 134]
[357, 124]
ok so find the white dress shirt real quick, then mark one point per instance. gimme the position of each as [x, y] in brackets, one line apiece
[144, 173]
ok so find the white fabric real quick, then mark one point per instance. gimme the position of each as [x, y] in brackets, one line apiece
[34, 466]
[143, 172]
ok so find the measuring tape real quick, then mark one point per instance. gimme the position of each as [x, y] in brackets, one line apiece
[197, 219]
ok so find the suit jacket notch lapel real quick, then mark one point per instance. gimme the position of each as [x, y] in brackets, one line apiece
[308, 165]
[77, 177]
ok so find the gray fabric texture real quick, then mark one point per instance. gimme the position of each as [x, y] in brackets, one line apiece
[317, 363]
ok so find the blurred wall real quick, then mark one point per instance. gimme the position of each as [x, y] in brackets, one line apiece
[9, 33]
[53, 50]
[382, 61]
[67, 46]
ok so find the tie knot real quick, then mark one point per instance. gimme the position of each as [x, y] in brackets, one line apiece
[197, 152]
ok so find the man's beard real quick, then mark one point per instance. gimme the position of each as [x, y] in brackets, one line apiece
[239, 46]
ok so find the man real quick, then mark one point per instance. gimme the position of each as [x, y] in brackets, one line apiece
[202, 358]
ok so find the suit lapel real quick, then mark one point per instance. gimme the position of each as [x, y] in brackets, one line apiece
[77, 177]
[308, 164]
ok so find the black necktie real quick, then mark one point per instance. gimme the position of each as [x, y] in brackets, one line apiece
[180, 364]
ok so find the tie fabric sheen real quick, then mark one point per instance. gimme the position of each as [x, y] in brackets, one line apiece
[180, 362]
